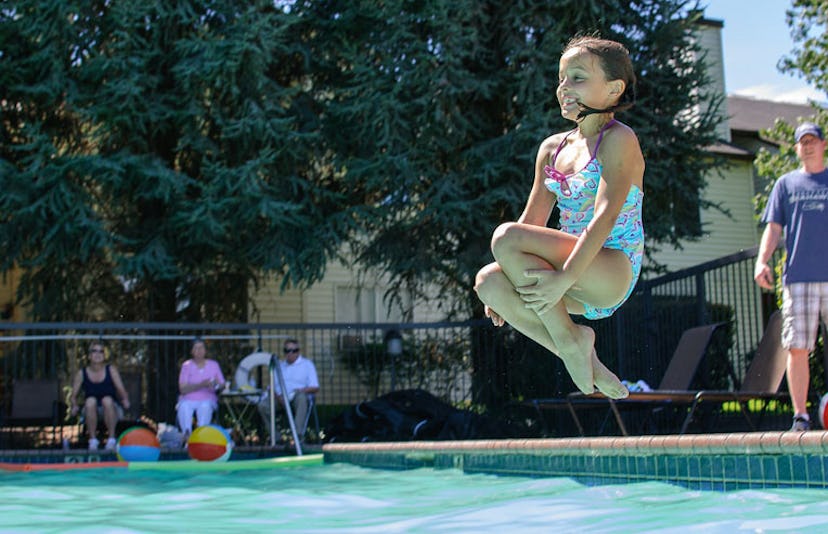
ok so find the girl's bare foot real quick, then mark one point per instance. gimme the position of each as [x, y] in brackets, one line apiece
[606, 381]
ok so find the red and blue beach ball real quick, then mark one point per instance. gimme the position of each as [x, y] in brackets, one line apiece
[823, 414]
[210, 443]
[138, 444]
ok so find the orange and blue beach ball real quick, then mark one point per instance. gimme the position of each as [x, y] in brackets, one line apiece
[138, 444]
[210, 443]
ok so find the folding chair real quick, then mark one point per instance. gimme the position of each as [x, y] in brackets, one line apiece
[282, 421]
[35, 403]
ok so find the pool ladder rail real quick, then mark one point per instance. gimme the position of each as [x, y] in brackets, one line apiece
[276, 374]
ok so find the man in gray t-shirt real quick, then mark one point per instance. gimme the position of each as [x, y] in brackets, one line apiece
[799, 205]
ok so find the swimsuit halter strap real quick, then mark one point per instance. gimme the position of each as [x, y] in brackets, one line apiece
[560, 146]
[601, 134]
[597, 143]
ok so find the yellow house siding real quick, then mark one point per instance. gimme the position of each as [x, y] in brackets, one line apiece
[272, 306]
[8, 293]
[319, 302]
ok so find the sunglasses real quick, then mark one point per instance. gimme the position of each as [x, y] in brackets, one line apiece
[290, 351]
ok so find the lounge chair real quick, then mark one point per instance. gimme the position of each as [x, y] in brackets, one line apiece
[674, 386]
[762, 378]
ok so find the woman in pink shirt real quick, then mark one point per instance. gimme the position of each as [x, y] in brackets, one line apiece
[198, 382]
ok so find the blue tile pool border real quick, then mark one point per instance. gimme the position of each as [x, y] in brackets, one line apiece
[698, 461]
[80, 456]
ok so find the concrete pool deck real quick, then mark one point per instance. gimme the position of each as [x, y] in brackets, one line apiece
[701, 461]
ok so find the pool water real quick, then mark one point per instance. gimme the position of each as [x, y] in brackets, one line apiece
[346, 498]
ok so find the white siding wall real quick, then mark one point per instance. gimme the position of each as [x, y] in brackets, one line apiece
[723, 235]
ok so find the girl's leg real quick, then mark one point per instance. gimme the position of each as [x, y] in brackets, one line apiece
[520, 247]
[496, 291]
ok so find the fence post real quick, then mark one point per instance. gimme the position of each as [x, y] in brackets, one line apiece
[701, 298]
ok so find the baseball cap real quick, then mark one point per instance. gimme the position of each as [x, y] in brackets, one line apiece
[807, 128]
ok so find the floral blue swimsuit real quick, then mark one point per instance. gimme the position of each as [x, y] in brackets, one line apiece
[576, 199]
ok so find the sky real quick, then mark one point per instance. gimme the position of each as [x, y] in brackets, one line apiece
[754, 38]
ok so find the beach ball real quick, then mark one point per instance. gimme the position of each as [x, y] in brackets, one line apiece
[210, 443]
[138, 444]
[823, 417]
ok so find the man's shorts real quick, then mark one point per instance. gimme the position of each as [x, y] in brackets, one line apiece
[802, 305]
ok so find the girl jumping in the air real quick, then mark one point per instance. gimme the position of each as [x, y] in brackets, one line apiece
[589, 267]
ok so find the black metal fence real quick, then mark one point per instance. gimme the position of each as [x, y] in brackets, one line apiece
[353, 361]
[465, 363]
[644, 332]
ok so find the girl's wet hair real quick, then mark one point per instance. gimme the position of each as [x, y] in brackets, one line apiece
[616, 64]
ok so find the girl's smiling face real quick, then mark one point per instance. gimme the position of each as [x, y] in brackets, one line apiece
[581, 80]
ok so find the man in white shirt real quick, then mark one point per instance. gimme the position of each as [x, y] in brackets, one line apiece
[300, 381]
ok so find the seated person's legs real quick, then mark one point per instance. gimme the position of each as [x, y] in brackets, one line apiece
[300, 405]
[109, 408]
[90, 413]
[204, 413]
[263, 408]
[110, 414]
[186, 409]
[300, 411]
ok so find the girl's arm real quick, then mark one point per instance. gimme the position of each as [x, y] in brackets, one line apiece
[541, 201]
[622, 166]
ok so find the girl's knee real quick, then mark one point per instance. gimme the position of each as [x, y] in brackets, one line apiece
[503, 233]
[490, 284]
[506, 239]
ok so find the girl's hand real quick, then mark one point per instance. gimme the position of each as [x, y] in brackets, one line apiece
[497, 320]
[547, 292]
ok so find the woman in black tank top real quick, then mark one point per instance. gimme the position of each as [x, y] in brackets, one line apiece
[101, 384]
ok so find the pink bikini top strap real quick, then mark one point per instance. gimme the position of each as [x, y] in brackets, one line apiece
[560, 146]
[601, 136]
